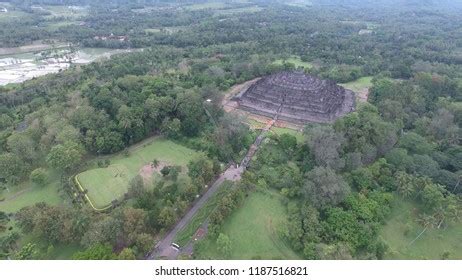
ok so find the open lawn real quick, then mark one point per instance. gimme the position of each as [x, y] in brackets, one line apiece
[167, 30]
[359, 84]
[13, 15]
[401, 228]
[254, 124]
[221, 9]
[65, 11]
[250, 9]
[253, 230]
[27, 193]
[54, 26]
[283, 130]
[360, 87]
[107, 184]
[207, 5]
[296, 61]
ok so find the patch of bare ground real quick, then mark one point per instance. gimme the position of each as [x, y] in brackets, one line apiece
[148, 170]
[229, 105]
[362, 94]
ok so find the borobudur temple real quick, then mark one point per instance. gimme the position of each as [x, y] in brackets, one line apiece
[296, 97]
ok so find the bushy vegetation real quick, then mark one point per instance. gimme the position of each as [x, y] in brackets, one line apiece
[336, 183]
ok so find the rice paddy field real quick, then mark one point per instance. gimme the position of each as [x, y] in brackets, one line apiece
[24, 63]
[103, 185]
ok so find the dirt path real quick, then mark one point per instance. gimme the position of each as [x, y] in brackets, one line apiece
[17, 194]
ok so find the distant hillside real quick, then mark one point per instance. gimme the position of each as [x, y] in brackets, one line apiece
[392, 3]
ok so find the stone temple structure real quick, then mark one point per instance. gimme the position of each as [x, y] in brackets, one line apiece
[296, 97]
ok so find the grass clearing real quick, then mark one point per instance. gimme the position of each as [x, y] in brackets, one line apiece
[254, 124]
[167, 30]
[27, 193]
[360, 87]
[293, 132]
[107, 184]
[296, 60]
[359, 84]
[183, 236]
[401, 228]
[250, 9]
[253, 230]
[152, 30]
[54, 26]
[64, 252]
[223, 9]
[65, 11]
[13, 15]
[207, 5]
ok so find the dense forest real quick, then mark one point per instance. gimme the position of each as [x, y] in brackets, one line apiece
[338, 182]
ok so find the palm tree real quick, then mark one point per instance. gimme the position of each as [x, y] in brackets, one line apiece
[427, 221]
[405, 185]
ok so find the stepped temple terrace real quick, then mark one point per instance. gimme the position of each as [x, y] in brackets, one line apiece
[296, 97]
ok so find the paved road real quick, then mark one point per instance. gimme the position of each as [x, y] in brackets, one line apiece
[164, 249]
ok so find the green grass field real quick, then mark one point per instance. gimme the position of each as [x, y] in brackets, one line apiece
[223, 9]
[107, 184]
[54, 26]
[296, 61]
[253, 230]
[282, 130]
[13, 15]
[250, 9]
[26, 194]
[152, 30]
[359, 84]
[277, 130]
[207, 5]
[65, 11]
[401, 228]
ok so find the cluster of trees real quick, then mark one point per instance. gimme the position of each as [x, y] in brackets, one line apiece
[341, 180]
[63, 119]
[169, 198]
[337, 182]
[123, 230]
[396, 45]
[127, 232]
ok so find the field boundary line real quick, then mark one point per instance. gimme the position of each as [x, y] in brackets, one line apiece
[81, 189]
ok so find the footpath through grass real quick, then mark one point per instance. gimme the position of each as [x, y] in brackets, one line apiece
[402, 227]
[107, 184]
[254, 230]
[26, 194]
